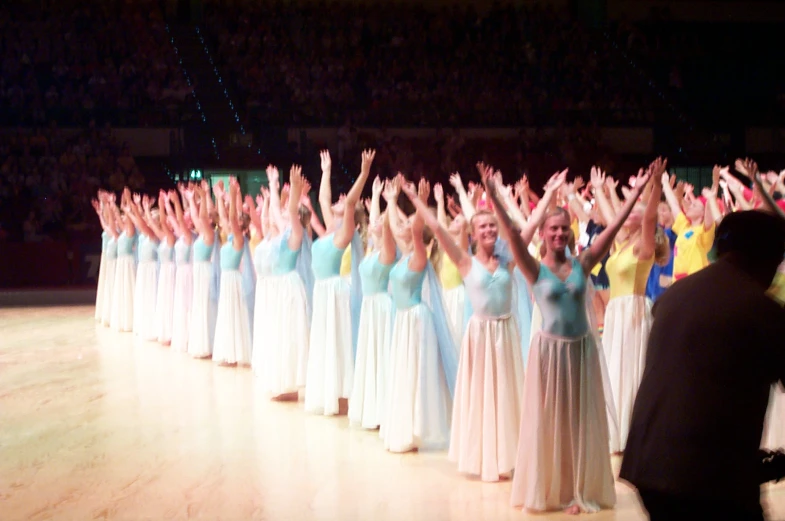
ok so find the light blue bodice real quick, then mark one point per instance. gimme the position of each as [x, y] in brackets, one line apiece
[374, 275]
[111, 248]
[182, 252]
[326, 261]
[202, 252]
[490, 294]
[286, 260]
[125, 244]
[406, 285]
[165, 252]
[147, 249]
[104, 241]
[230, 258]
[562, 304]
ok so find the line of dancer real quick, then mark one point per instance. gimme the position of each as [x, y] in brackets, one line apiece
[507, 328]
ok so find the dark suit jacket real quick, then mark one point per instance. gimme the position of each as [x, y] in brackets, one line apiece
[716, 346]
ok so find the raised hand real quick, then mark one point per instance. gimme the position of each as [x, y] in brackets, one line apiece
[456, 182]
[296, 179]
[325, 160]
[272, 174]
[438, 192]
[391, 189]
[597, 178]
[377, 186]
[424, 190]
[409, 190]
[367, 160]
[556, 181]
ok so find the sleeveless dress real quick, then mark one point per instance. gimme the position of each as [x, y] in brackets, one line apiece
[563, 455]
[419, 405]
[99, 291]
[486, 413]
[110, 261]
[285, 346]
[454, 297]
[146, 289]
[264, 299]
[164, 301]
[124, 281]
[366, 405]
[183, 295]
[627, 324]
[330, 358]
[232, 344]
[201, 326]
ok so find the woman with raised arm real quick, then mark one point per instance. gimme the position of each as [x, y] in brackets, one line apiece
[99, 293]
[563, 461]
[264, 259]
[125, 270]
[146, 289]
[449, 275]
[201, 322]
[333, 324]
[182, 224]
[167, 271]
[366, 405]
[423, 358]
[232, 343]
[108, 208]
[285, 351]
[486, 410]
[628, 315]
[694, 227]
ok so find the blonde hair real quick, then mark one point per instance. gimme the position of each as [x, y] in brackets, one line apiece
[558, 212]
[478, 213]
[662, 247]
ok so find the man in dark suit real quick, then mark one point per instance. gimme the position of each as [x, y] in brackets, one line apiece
[717, 345]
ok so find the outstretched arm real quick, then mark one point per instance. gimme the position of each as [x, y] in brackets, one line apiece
[602, 245]
[343, 236]
[529, 267]
[419, 257]
[459, 257]
[295, 191]
[325, 191]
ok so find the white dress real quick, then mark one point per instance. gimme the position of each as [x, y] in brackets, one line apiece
[201, 322]
[367, 403]
[265, 302]
[146, 290]
[183, 295]
[487, 408]
[110, 261]
[419, 405]
[285, 347]
[122, 317]
[330, 368]
[232, 344]
[99, 291]
[164, 302]
[563, 457]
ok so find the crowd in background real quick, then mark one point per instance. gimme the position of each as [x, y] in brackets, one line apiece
[397, 64]
[74, 61]
[48, 178]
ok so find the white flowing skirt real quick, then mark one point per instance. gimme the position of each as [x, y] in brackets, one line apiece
[145, 296]
[108, 292]
[417, 414]
[99, 291]
[330, 358]
[366, 405]
[263, 321]
[627, 324]
[563, 455]
[455, 307]
[123, 294]
[183, 300]
[232, 343]
[486, 414]
[164, 302]
[200, 328]
[774, 426]
[285, 346]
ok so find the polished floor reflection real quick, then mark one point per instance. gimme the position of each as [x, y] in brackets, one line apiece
[97, 425]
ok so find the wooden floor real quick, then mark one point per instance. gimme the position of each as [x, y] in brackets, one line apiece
[96, 425]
